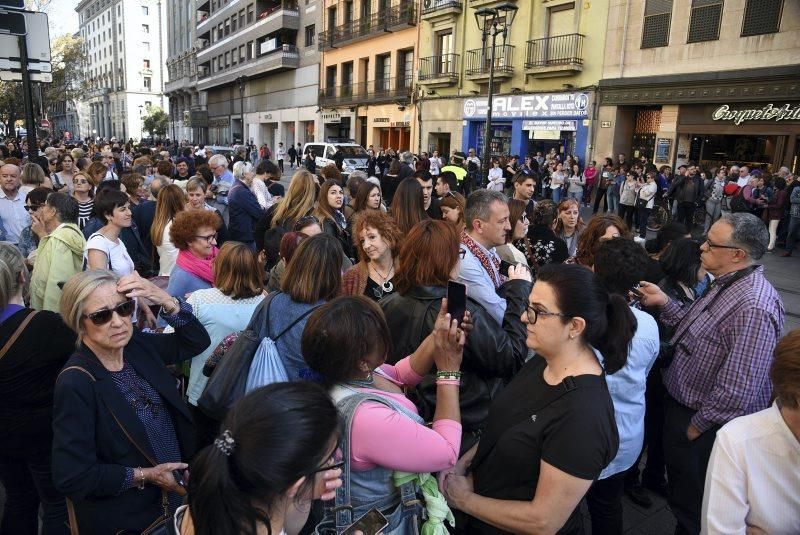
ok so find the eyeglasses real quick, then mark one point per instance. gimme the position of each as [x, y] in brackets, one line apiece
[33, 207]
[103, 316]
[209, 238]
[533, 314]
[333, 466]
[715, 246]
[80, 181]
[53, 162]
[462, 253]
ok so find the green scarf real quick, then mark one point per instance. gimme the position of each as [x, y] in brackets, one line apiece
[438, 510]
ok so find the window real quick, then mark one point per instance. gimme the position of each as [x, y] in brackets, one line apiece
[241, 18]
[251, 50]
[146, 64]
[705, 21]
[331, 18]
[145, 10]
[657, 15]
[761, 16]
[310, 33]
[250, 14]
[147, 83]
[147, 104]
[145, 28]
[233, 24]
[241, 53]
[347, 74]
[227, 59]
[348, 12]
[405, 74]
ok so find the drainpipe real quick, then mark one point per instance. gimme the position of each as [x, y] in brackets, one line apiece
[624, 39]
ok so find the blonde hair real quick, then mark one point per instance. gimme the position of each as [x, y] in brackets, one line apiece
[11, 265]
[299, 198]
[32, 175]
[77, 290]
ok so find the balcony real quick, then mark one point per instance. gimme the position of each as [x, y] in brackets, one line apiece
[282, 58]
[383, 90]
[555, 56]
[439, 71]
[479, 63]
[394, 19]
[434, 9]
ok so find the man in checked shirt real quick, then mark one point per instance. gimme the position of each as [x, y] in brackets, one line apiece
[723, 346]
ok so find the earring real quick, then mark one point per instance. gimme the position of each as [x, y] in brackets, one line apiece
[571, 336]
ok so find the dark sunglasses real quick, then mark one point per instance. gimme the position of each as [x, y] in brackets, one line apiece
[103, 316]
[333, 466]
[33, 207]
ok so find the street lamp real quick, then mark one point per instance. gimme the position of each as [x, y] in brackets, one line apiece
[241, 81]
[493, 21]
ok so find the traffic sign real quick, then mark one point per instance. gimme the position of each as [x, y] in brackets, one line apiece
[13, 4]
[12, 23]
[37, 39]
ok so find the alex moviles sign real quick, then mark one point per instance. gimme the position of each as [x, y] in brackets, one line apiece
[787, 112]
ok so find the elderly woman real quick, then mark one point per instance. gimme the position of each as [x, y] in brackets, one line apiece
[569, 225]
[224, 309]
[243, 207]
[40, 344]
[194, 234]
[377, 238]
[120, 428]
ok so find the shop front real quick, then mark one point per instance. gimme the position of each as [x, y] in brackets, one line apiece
[526, 124]
[389, 127]
[338, 124]
[441, 125]
[289, 126]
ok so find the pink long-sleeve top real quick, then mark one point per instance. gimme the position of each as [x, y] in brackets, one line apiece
[381, 436]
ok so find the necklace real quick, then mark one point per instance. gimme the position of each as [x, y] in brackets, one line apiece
[386, 285]
[366, 382]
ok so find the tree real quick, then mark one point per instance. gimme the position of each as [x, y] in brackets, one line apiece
[11, 107]
[69, 67]
[156, 121]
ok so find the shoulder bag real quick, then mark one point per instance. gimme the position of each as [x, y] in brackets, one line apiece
[17, 333]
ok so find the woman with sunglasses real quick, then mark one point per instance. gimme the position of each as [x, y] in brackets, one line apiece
[194, 234]
[28, 238]
[517, 247]
[551, 431]
[121, 431]
[83, 192]
[28, 372]
[254, 480]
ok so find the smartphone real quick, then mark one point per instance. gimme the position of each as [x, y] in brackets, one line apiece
[370, 524]
[636, 296]
[456, 300]
[504, 267]
[178, 475]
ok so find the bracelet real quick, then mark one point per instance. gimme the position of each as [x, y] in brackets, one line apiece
[448, 382]
[141, 475]
[448, 375]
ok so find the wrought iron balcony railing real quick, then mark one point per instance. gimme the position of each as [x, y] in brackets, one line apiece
[442, 67]
[479, 61]
[555, 51]
[381, 90]
[396, 17]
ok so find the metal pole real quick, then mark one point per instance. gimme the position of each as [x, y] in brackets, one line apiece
[33, 148]
[486, 150]
[241, 107]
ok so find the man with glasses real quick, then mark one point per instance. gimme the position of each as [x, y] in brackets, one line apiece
[744, 176]
[720, 355]
[12, 203]
[110, 163]
[223, 182]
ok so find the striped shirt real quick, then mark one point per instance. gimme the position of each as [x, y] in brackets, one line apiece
[85, 212]
[721, 365]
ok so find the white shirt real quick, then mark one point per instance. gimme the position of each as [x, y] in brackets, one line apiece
[753, 477]
[15, 217]
[167, 253]
[280, 153]
[743, 180]
[119, 260]
[496, 179]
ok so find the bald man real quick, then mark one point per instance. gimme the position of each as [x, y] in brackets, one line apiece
[12, 203]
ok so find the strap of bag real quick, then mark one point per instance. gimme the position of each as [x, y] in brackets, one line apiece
[17, 333]
[569, 384]
[292, 324]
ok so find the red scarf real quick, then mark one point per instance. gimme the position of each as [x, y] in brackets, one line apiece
[486, 260]
[199, 267]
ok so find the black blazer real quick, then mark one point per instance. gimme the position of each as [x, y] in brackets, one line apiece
[91, 418]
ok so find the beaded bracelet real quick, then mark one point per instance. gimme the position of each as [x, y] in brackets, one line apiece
[449, 382]
[448, 375]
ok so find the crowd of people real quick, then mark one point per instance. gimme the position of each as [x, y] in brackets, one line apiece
[139, 286]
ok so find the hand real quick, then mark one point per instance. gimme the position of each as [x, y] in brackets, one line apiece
[161, 476]
[457, 490]
[38, 227]
[449, 340]
[753, 530]
[692, 432]
[519, 272]
[148, 318]
[134, 285]
[652, 296]
[326, 484]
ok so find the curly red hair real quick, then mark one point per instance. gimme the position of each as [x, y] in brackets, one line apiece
[383, 223]
[185, 225]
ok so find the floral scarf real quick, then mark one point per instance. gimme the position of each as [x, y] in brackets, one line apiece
[486, 260]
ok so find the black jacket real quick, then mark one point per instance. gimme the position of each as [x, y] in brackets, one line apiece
[492, 356]
[90, 422]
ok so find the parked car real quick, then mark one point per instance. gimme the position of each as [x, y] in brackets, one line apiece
[353, 156]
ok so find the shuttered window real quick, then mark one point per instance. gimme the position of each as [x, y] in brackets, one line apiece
[705, 21]
[762, 16]
[657, 16]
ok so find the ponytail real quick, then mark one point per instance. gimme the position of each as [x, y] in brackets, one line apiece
[615, 342]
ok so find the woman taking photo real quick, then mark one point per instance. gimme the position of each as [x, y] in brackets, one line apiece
[170, 203]
[329, 213]
[529, 474]
[83, 192]
[194, 234]
[428, 259]
[517, 247]
[104, 248]
[40, 344]
[251, 479]
[452, 205]
[377, 239]
[645, 198]
[120, 427]
[346, 342]
[569, 225]
[408, 206]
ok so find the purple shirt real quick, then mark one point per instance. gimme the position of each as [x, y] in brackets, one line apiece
[721, 365]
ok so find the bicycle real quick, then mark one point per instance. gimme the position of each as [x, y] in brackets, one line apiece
[660, 215]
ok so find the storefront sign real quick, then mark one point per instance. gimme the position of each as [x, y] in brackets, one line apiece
[787, 112]
[550, 126]
[605, 124]
[333, 117]
[219, 123]
[198, 118]
[400, 124]
[662, 150]
[380, 120]
[547, 105]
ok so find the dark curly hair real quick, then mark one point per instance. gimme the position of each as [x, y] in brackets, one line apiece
[620, 264]
[185, 225]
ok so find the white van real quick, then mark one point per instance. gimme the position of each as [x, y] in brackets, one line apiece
[354, 157]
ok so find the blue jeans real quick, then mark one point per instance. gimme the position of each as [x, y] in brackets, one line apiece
[613, 202]
[557, 195]
[793, 233]
[577, 195]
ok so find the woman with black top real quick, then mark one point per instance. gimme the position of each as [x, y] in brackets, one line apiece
[330, 215]
[551, 431]
[390, 180]
[546, 247]
[35, 345]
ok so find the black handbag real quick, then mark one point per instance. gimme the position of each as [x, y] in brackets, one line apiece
[641, 204]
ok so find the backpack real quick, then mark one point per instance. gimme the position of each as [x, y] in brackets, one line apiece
[733, 200]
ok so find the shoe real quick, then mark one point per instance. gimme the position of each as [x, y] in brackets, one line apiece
[639, 496]
[657, 488]
[639, 239]
[786, 253]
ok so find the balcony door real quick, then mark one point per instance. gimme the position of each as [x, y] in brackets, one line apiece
[405, 74]
[383, 72]
[560, 24]
[445, 46]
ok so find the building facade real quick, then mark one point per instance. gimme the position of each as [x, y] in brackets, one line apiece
[125, 63]
[259, 67]
[546, 70]
[708, 81]
[368, 91]
[180, 88]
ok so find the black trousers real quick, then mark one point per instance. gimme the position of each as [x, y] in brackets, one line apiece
[605, 504]
[28, 481]
[687, 461]
[685, 214]
[653, 473]
[599, 197]
[280, 165]
[627, 212]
